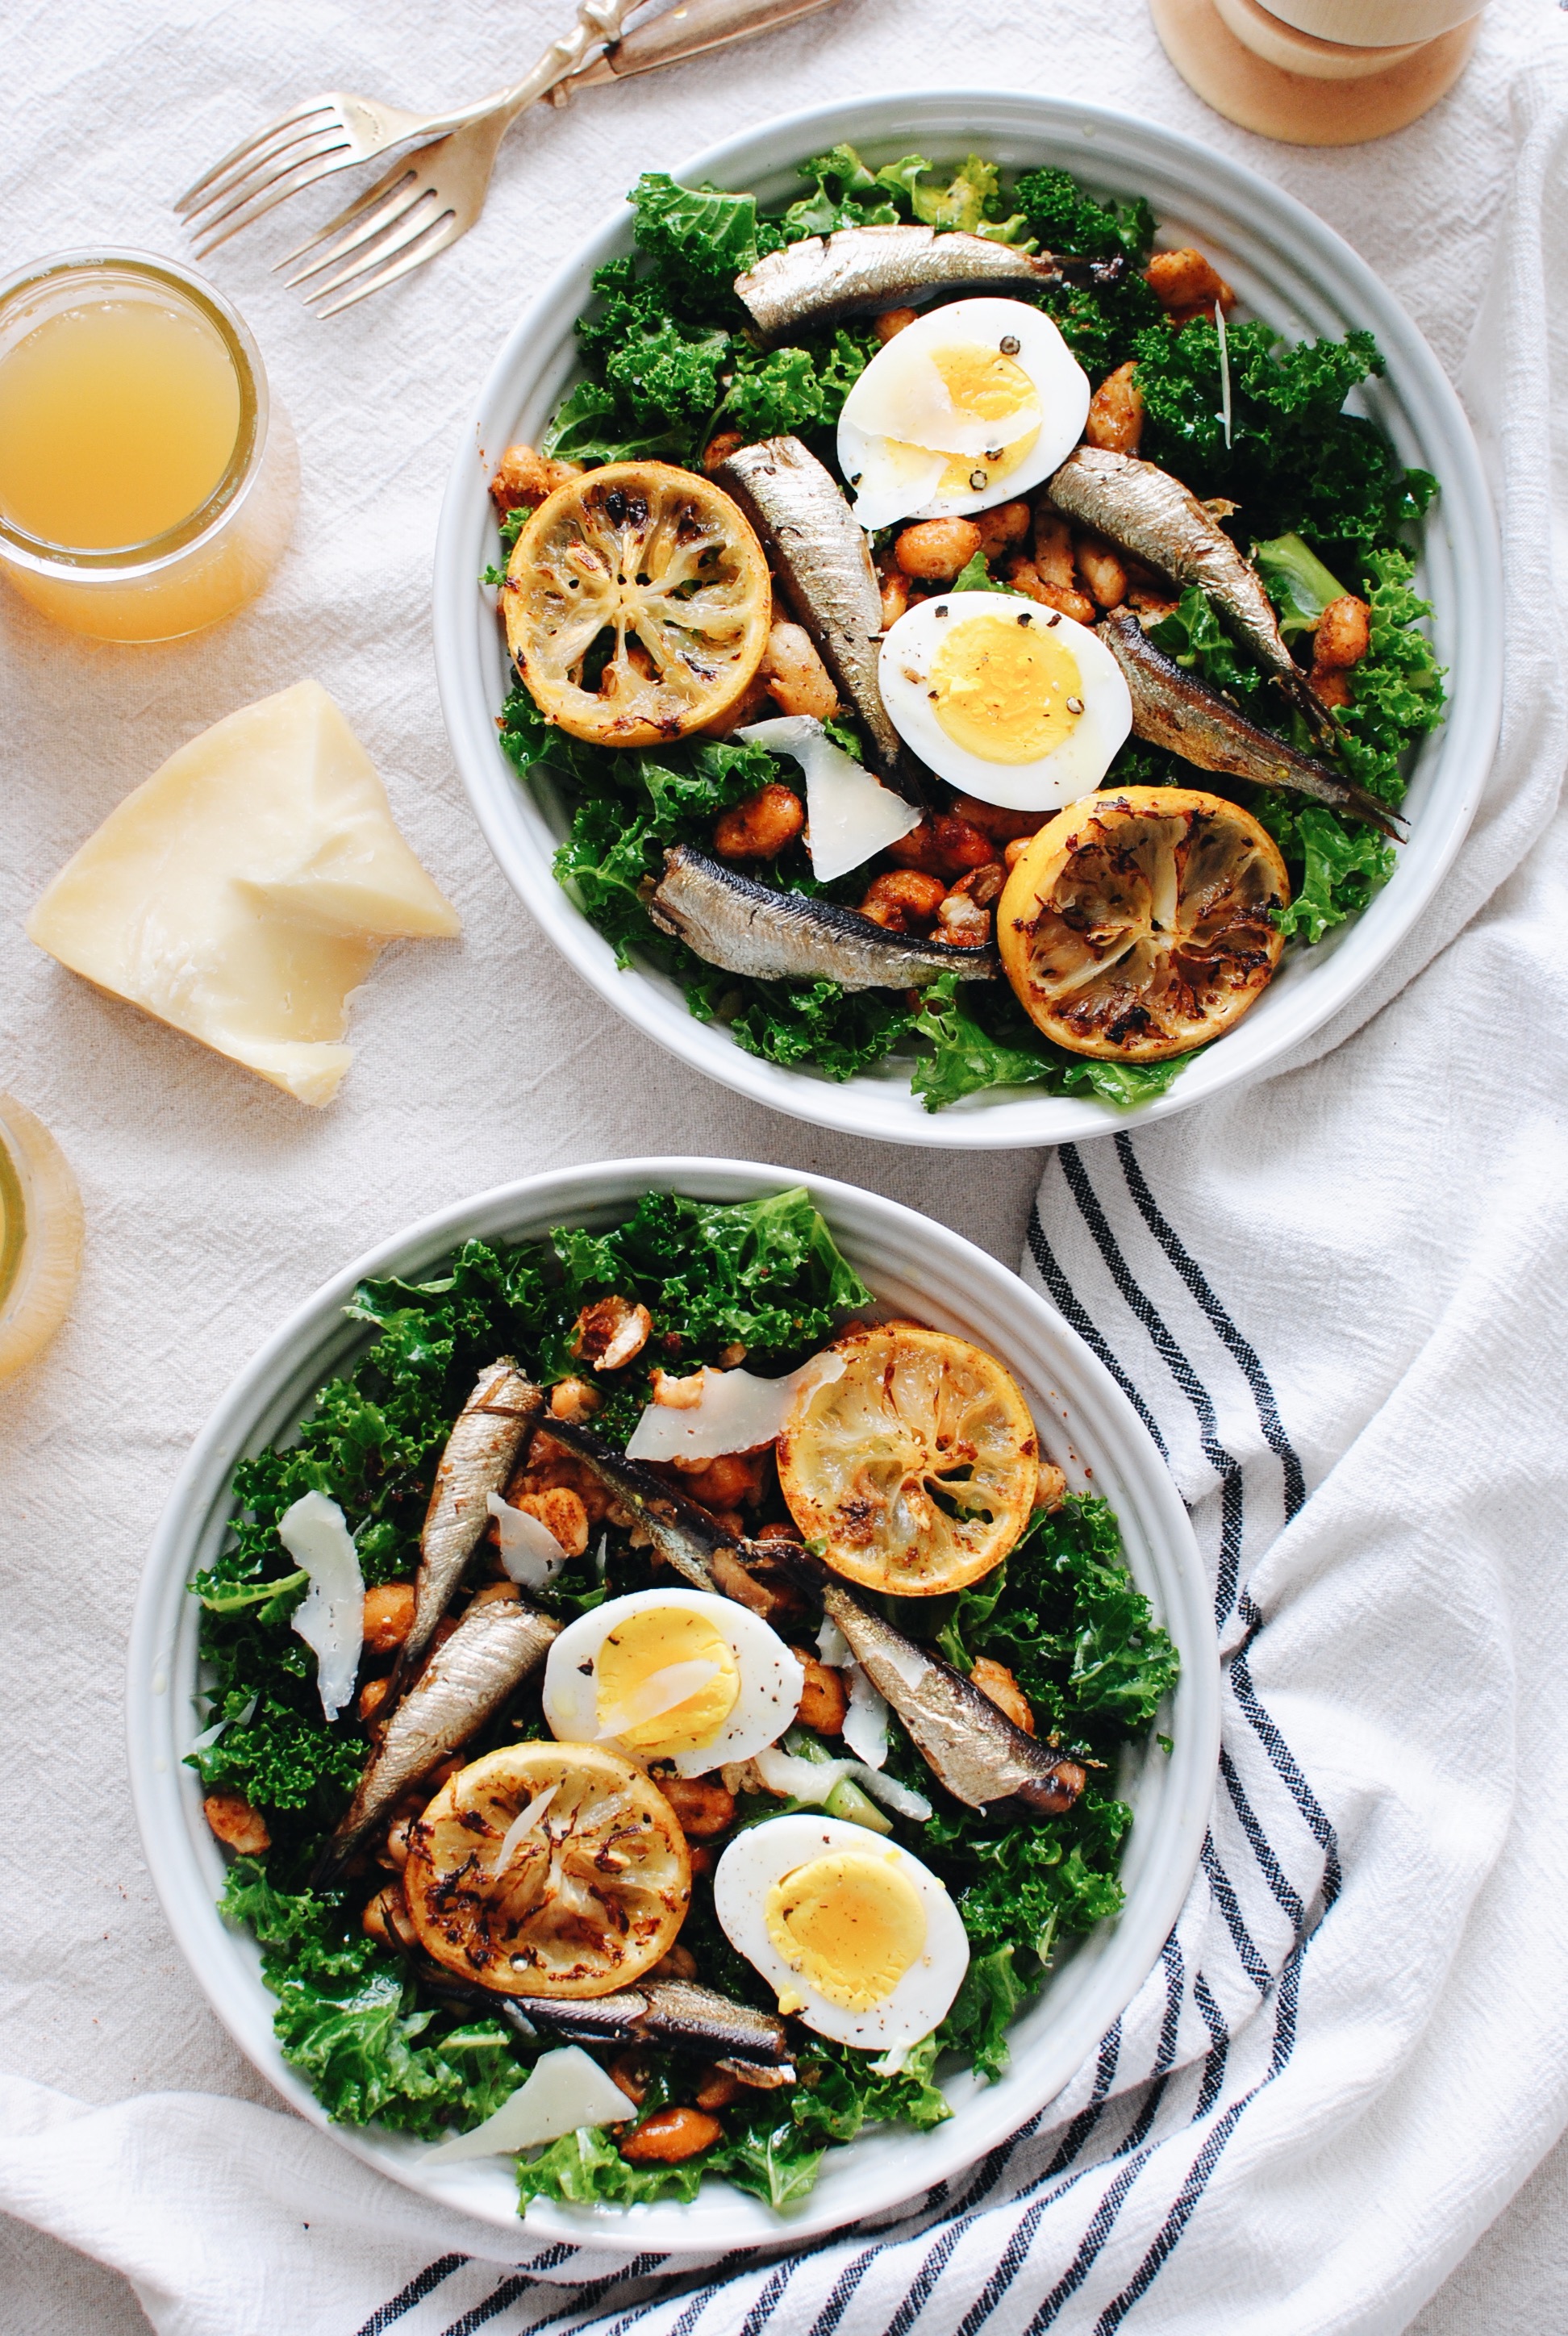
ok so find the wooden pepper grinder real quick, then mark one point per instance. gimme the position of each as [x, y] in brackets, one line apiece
[1319, 72]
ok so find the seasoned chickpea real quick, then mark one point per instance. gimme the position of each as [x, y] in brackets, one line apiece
[717, 2089]
[1075, 604]
[501, 1593]
[891, 322]
[1053, 549]
[1331, 685]
[963, 922]
[1002, 526]
[753, 705]
[1186, 285]
[234, 1821]
[609, 1332]
[1014, 851]
[397, 1842]
[388, 1616]
[943, 844]
[981, 885]
[704, 1808]
[824, 1703]
[561, 1512]
[936, 549]
[1116, 421]
[995, 1680]
[680, 1963]
[904, 899]
[1021, 573]
[760, 828]
[730, 1358]
[798, 681]
[574, 1401]
[524, 475]
[727, 1482]
[1000, 825]
[386, 1919]
[630, 2071]
[1344, 632]
[1050, 1486]
[700, 1857]
[1101, 571]
[774, 1602]
[895, 591]
[372, 1696]
[670, 2135]
[720, 448]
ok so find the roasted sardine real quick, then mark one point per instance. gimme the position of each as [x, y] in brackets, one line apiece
[492, 1650]
[971, 1747]
[749, 928]
[1159, 520]
[863, 268]
[1174, 709]
[753, 2046]
[485, 1445]
[817, 549]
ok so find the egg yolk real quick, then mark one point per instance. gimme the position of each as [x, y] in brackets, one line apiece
[993, 388]
[1005, 691]
[667, 1681]
[848, 1925]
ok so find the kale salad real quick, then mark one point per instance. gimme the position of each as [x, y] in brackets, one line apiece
[828, 606]
[670, 1814]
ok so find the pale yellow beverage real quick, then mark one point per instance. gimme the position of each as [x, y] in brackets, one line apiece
[118, 418]
[40, 1236]
[145, 489]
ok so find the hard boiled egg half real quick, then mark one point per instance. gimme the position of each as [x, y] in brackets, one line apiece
[852, 1932]
[673, 1675]
[1005, 699]
[969, 406]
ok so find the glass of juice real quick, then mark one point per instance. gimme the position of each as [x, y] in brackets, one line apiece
[147, 487]
[40, 1236]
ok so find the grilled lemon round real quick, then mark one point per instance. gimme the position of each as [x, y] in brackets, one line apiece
[638, 604]
[1140, 922]
[581, 1898]
[916, 1470]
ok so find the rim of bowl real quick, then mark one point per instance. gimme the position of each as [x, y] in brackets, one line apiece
[952, 1280]
[1316, 281]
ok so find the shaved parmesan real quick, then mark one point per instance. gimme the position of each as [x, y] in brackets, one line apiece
[832, 1646]
[565, 2091]
[521, 1825]
[530, 1551]
[849, 814]
[330, 1617]
[735, 1412]
[810, 1781]
[865, 1728]
[657, 1694]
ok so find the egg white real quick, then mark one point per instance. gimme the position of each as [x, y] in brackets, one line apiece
[765, 1853]
[1075, 768]
[897, 403]
[771, 1678]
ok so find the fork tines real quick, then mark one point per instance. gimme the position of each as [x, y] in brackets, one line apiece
[399, 221]
[265, 169]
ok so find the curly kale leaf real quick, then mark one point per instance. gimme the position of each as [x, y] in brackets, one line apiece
[989, 1042]
[709, 234]
[1335, 868]
[1099, 323]
[838, 1032]
[1035, 1884]
[1296, 463]
[346, 2020]
[1195, 638]
[1075, 1629]
[793, 389]
[844, 193]
[983, 2010]
[1396, 690]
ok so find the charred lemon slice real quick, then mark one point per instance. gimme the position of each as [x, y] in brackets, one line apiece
[1140, 922]
[916, 1470]
[638, 604]
[547, 1869]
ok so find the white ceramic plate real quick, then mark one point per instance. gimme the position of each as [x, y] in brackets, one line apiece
[1089, 1426]
[1286, 266]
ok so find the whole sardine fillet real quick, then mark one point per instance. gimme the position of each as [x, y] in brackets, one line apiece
[492, 1650]
[972, 1748]
[1161, 523]
[1174, 709]
[662, 2011]
[862, 269]
[480, 1454]
[818, 549]
[750, 928]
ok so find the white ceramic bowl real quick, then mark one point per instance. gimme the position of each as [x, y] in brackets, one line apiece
[1288, 267]
[1089, 1427]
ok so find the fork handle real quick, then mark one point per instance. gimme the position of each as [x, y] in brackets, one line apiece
[690, 30]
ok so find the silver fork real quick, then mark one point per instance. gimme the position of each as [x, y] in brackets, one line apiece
[432, 196]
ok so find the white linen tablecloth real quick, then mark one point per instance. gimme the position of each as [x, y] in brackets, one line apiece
[1337, 1298]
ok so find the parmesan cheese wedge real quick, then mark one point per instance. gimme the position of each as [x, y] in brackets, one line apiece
[246, 888]
[734, 1411]
[565, 2090]
[849, 814]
